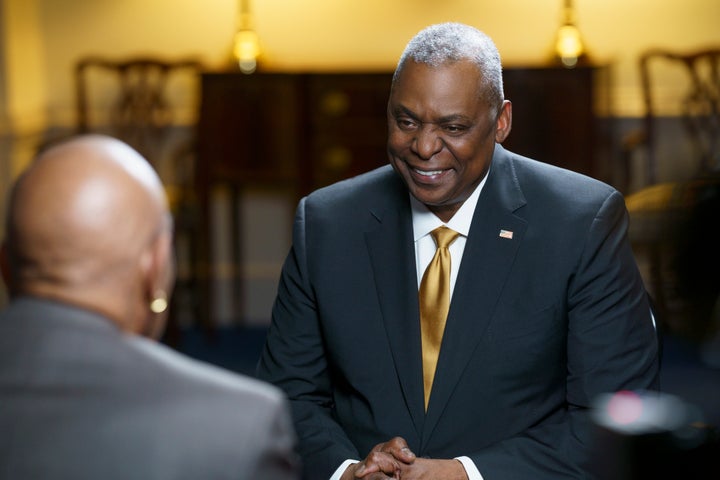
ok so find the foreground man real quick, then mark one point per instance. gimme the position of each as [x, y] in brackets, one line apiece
[89, 265]
[547, 311]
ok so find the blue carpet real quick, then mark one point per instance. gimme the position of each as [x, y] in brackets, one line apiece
[684, 373]
[235, 348]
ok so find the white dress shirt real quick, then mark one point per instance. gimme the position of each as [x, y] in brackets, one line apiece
[424, 222]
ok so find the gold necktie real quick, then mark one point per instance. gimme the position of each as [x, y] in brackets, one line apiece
[434, 304]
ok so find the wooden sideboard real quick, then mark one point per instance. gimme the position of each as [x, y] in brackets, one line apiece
[555, 117]
[301, 131]
[309, 130]
[291, 133]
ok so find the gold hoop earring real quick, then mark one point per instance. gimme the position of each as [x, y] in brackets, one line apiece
[159, 304]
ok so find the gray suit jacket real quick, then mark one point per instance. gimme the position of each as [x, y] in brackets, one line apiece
[81, 400]
[539, 324]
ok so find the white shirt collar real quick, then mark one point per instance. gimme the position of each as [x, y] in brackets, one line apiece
[424, 221]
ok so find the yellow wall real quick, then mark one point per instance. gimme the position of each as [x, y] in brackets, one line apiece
[336, 35]
[23, 67]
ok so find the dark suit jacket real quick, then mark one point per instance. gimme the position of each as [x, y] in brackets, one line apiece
[81, 400]
[538, 325]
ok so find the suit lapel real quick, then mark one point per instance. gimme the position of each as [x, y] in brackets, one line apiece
[486, 263]
[390, 245]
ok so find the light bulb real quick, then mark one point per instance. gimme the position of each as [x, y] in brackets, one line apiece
[246, 50]
[569, 45]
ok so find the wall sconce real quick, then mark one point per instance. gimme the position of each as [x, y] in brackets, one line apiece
[246, 45]
[569, 46]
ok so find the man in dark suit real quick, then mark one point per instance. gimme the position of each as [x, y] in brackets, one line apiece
[83, 394]
[548, 309]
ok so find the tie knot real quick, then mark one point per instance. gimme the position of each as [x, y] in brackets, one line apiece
[444, 236]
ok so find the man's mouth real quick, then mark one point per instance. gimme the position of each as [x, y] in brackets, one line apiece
[428, 173]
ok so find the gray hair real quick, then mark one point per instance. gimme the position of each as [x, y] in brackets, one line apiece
[451, 42]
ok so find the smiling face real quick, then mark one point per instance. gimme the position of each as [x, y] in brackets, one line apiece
[442, 132]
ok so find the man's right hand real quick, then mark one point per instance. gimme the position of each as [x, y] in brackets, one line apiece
[383, 461]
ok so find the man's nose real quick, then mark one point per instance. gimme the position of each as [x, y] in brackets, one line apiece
[427, 142]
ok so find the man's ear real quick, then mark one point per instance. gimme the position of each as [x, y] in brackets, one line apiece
[158, 276]
[5, 268]
[504, 122]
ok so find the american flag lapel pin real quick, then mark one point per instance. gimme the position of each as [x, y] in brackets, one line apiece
[506, 234]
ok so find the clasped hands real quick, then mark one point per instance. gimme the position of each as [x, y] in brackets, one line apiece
[394, 460]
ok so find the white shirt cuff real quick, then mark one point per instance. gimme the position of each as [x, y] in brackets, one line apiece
[341, 469]
[472, 472]
[470, 469]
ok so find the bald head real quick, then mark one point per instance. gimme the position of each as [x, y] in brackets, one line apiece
[83, 221]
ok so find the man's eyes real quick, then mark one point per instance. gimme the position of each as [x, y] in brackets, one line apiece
[454, 128]
[406, 123]
[409, 124]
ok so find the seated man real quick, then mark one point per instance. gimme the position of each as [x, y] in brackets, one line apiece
[454, 314]
[88, 263]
